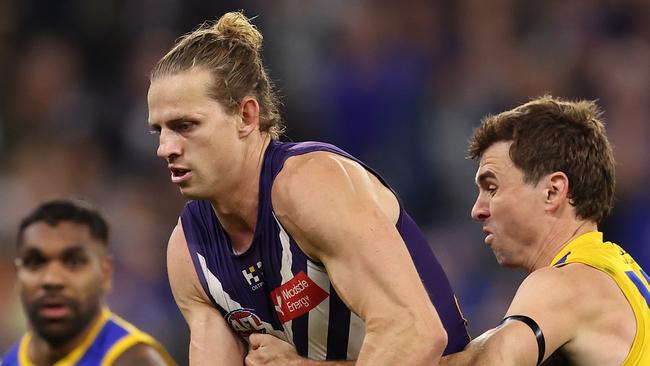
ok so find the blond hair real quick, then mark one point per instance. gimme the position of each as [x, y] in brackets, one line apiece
[230, 50]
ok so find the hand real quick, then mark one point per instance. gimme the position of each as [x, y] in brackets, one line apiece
[268, 350]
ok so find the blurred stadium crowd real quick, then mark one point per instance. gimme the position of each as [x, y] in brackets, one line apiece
[399, 84]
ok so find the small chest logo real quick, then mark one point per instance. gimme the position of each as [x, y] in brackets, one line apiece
[245, 322]
[253, 276]
[297, 297]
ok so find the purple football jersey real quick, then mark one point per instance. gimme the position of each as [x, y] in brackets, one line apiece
[275, 288]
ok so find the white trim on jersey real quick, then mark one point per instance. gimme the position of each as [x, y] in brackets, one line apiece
[285, 270]
[224, 300]
[318, 317]
[216, 288]
[287, 256]
[356, 334]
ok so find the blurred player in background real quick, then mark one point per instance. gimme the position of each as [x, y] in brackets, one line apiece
[546, 179]
[300, 241]
[64, 271]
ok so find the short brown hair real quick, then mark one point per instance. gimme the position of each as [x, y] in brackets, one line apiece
[550, 134]
[230, 50]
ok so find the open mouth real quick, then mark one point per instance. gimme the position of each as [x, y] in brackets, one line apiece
[180, 175]
[54, 309]
[54, 312]
[488, 236]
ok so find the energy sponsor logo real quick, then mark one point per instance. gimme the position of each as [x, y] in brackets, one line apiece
[297, 297]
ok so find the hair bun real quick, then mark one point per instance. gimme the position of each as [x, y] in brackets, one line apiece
[235, 25]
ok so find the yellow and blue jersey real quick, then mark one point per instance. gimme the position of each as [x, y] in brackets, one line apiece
[589, 249]
[109, 338]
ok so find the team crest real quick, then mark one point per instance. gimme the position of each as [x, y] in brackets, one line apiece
[253, 276]
[245, 321]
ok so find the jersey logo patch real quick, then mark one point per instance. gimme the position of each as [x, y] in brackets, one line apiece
[252, 276]
[297, 297]
[245, 321]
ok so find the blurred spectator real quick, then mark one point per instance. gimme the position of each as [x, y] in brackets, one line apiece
[399, 84]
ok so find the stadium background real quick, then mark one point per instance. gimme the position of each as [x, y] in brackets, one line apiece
[399, 84]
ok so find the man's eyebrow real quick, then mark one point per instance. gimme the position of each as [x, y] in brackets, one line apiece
[73, 250]
[484, 176]
[177, 119]
[30, 250]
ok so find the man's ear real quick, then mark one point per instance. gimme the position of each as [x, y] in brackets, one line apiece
[107, 273]
[249, 111]
[556, 190]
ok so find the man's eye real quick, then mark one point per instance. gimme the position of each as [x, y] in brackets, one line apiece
[74, 262]
[32, 262]
[185, 126]
[154, 130]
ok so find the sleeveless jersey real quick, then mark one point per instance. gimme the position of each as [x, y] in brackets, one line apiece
[275, 288]
[109, 338]
[589, 249]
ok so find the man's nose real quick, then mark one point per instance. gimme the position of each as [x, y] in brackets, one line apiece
[481, 209]
[54, 276]
[168, 146]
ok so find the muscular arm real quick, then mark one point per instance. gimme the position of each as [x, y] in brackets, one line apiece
[211, 338]
[514, 343]
[333, 209]
[141, 354]
[574, 306]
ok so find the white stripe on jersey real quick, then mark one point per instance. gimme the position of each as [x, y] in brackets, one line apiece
[356, 335]
[287, 257]
[224, 300]
[319, 316]
[285, 271]
[216, 288]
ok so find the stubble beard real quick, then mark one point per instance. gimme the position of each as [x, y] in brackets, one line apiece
[59, 332]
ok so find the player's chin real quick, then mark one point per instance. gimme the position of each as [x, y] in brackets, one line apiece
[505, 261]
[192, 192]
[57, 331]
[502, 259]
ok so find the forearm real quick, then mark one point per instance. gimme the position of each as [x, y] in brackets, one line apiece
[411, 352]
[336, 363]
[208, 344]
[403, 347]
[301, 361]
[463, 358]
[491, 349]
[201, 356]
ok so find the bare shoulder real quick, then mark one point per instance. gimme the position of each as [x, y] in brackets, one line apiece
[319, 161]
[141, 354]
[318, 192]
[324, 178]
[575, 283]
[302, 174]
[576, 306]
[183, 279]
[569, 289]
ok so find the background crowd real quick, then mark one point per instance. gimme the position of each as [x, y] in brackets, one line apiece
[399, 84]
